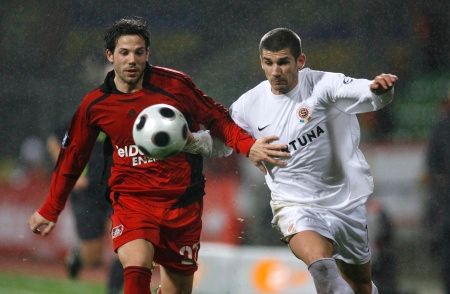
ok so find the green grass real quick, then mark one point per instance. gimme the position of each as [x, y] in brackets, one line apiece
[28, 284]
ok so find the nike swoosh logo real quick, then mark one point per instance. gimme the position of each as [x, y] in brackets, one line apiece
[347, 80]
[260, 129]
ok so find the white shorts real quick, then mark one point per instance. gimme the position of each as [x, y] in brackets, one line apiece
[348, 230]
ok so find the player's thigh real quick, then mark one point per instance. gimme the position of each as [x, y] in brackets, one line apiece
[351, 238]
[138, 252]
[305, 230]
[310, 246]
[135, 230]
[357, 275]
[175, 282]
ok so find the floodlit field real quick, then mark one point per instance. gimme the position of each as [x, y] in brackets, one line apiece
[30, 284]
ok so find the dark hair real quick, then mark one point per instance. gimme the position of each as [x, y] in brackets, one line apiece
[279, 39]
[126, 26]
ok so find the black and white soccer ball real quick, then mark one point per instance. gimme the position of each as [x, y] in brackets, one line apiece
[160, 131]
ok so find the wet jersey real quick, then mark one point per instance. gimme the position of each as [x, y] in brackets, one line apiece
[317, 119]
[175, 181]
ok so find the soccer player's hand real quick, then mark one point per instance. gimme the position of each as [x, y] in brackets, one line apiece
[201, 142]
[383, 83]
[40, 225]
[263, 151]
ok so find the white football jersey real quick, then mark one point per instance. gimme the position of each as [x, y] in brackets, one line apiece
[317, 120]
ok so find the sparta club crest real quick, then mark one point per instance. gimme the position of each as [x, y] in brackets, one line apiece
[304, 114]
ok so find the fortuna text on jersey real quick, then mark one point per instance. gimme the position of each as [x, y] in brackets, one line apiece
[306, 138]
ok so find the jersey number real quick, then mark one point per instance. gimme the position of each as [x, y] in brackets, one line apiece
[189, 253]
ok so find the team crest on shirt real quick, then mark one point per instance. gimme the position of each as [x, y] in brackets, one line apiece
[117, 231]
[304, 114]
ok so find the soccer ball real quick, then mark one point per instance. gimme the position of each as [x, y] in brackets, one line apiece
[160, 131]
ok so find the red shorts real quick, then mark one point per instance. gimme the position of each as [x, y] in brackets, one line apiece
[174, 232]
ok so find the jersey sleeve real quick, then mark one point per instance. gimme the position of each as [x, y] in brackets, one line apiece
[237, 111]
[351, 95]
[216, 118]
[75, 151]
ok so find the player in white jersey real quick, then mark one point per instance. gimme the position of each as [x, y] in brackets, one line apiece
[318, 199]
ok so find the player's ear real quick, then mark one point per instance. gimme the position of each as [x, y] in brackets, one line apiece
[301, 60]
[109, 55]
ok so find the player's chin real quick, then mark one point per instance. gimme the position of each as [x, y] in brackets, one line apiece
[282, 89]
[132, 79]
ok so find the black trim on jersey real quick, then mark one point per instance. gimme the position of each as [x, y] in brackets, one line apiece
[153, 88]
[97, 100]
[108, 85]
[149, 70]
[147, 76]
[196, 190]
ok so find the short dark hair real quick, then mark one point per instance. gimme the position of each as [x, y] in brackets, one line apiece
[126, 26]
[279, 39]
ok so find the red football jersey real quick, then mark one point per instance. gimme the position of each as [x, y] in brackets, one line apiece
[175, 181]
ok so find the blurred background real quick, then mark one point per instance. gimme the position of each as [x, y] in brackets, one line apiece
[52, 54]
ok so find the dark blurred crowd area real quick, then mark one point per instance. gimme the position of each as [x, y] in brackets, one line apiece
[52, 53]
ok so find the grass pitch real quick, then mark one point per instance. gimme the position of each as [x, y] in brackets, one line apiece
[14, 283]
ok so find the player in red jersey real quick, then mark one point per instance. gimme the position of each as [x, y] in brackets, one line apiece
[157, 204]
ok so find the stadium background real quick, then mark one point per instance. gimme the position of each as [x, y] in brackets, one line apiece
[52, 54]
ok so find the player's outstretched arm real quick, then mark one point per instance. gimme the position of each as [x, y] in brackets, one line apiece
[264, 151]
[383, 83]
[40, 225]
